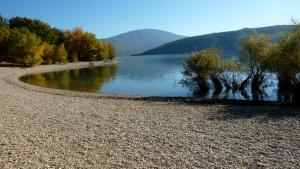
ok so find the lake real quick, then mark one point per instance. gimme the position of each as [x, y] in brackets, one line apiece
[157, 75]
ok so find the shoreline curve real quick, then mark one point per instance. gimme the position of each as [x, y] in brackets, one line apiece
[14, 79]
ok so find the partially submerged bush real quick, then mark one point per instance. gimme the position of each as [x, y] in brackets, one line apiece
[207, 64]
[254, 56]
[286, 57]
[258, 57]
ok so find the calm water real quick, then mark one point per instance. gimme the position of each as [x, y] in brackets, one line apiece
[158, 75]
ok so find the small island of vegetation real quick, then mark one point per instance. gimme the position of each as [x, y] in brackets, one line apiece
[31, 42]
[258, 57]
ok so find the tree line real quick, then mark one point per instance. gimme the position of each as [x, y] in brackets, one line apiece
[258, 57]
[32, 42]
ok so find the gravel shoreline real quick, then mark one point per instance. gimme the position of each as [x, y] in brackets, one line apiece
[49, 128]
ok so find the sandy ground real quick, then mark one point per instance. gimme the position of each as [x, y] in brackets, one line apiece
[47, 128]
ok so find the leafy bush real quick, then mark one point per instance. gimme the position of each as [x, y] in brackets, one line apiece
[61, 54]
[85, 46]
[112, 52]
[24, 47]
[3, 22]
[254, 55]
[258, 57]
[286, 55]
[31, 42]
[4, 34]
[42, 29]
[284, 60]
[207, 64]
[48, 53]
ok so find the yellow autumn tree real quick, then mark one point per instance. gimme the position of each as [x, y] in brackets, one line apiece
[61, 55]
[48, 55]
[84, 46]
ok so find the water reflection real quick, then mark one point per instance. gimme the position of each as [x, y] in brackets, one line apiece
[158, 75]
[83, 80]
[269, 89]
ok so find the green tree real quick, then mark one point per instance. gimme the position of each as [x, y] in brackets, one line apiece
[104, 51]
[112, 51]
[284, 60]
[254, 55]
[24, 47]
[201, 66]
[44, 30]
[3, 22]
[286, 57]
[61, 54]
[4, 34]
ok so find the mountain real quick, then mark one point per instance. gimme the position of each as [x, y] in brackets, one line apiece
[228, 41]
[138, 41]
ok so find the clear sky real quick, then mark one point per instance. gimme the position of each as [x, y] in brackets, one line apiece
[186, 17]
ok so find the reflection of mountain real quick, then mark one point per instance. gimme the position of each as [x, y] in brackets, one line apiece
[85, 80]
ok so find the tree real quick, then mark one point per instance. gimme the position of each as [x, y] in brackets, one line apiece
[208, 65]
[4, 34]
[57, 36]
[112, 52]
[48, 53]
[74, 45]
[284, 60]
[24, 47]
[201, 66]
[232, 69]
[254, 55]
[3, 22]
[84, 46]
[104, 51]
[42, 29]
[61, 54]
[33, 41]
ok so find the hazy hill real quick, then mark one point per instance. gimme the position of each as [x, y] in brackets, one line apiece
[228, 41]
[138, 41]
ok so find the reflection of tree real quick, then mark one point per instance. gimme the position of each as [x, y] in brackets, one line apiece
[233, 80]
[39, 80]
[92, 80]
[199, 93]
[85, 80]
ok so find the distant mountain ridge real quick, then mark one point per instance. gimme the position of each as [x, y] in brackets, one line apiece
[228, 41]
[138, 41]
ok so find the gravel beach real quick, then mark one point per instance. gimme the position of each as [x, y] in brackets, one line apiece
[48, 128]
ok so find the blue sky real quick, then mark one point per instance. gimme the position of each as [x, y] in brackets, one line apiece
[186, 17]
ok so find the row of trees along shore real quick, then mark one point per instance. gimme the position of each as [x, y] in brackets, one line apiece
[32, 42]
[258, 57]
